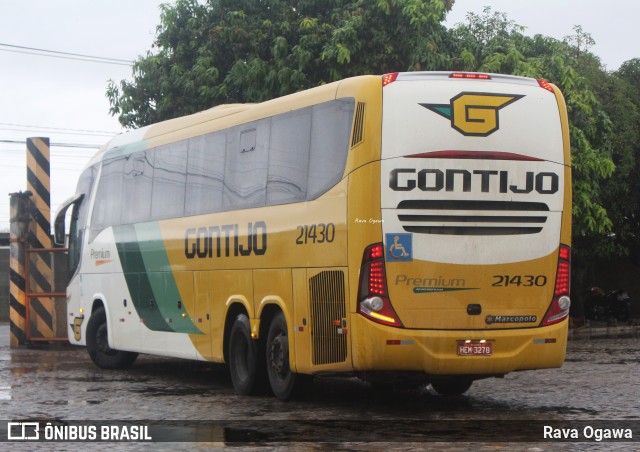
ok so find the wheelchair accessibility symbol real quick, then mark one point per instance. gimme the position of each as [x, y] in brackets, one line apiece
[399, 247]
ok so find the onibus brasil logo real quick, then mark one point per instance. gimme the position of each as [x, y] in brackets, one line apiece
[474, 114]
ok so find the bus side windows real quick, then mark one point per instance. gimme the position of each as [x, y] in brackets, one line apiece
[308, 151]
[107, 205]
[137, 186]
[286, 158]
[205, 173]
[169, 181]
[289, 157]
[330, 133]
[245, 176]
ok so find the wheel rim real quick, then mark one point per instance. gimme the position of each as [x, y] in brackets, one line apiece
[102, 341]
[279, 356]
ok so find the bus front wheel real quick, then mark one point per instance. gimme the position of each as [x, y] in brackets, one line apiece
[246, 363]
[98, 344]
[284, 382]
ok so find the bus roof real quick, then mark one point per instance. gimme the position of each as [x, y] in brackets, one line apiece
[216, 118]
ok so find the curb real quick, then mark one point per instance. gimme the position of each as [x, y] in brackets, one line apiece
[604, 330]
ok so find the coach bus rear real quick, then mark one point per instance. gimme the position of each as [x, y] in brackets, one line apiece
[471, 276]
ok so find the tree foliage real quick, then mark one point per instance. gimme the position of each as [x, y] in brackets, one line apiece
[226, 51]
[492, 43]
[620, 92]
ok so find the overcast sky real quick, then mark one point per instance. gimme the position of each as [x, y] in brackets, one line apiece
[64, 99]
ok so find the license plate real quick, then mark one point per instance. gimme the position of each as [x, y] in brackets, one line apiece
[475, 348]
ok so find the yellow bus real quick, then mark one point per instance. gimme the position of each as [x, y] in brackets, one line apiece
[412, 226]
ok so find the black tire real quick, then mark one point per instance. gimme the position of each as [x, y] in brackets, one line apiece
[284, 383]
[246, 362]
[452, 386]
[98, 345]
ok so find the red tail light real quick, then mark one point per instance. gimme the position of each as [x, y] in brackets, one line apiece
[373, 297]
[546, 85]
[559, 309]
[472, 75]
[389, 78]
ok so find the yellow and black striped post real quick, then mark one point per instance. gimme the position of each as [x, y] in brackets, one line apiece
[17, 287]
[38, 183]
[41, 309]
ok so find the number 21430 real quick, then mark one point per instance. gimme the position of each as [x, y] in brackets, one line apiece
[519, 280]
[316, 233]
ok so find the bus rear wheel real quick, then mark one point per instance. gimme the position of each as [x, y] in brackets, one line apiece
[452, 386]
[246, 363]
[98, 344]
[284, 382]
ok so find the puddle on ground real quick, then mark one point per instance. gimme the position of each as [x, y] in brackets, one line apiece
[5, 392]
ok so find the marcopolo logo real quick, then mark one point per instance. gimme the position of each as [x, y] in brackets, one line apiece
[510, 319]
[474, 114]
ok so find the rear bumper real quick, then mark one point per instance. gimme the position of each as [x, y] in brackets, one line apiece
[382, 348]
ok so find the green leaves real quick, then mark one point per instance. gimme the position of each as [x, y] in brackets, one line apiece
[492, 43]
[343, 54]
[225, 51]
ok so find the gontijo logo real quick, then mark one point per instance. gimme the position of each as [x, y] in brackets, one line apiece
[474, 114]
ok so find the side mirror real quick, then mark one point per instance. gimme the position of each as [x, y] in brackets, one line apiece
[59, 227]
[59, 230]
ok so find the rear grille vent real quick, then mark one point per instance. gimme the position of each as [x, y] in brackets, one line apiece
[358, 125]
[472, 217]
[327, 297]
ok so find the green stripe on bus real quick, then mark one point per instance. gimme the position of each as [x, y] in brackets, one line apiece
[137, 280]
[161, 278]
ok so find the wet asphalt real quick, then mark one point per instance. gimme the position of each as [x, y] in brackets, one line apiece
[195, 402]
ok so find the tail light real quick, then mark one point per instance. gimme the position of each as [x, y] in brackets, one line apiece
[373, 296]
[546, 85]
[470, 75]
[559, 309]
[389, 78]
